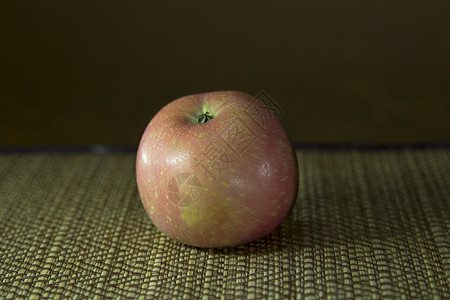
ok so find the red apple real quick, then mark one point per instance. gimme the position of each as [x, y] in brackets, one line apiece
[216, 169]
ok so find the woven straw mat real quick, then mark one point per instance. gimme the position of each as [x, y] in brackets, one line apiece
[366, 224]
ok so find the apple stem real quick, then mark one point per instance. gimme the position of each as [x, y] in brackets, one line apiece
[204, 117]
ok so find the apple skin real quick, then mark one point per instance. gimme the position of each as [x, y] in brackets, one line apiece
[224, 182]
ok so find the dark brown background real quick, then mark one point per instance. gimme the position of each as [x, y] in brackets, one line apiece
[95, 72]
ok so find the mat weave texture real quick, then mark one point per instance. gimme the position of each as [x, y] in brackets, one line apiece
[366, 224]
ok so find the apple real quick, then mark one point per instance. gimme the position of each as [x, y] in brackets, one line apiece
[216, 169]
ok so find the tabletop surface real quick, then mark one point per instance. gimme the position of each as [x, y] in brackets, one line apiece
[366, 223]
